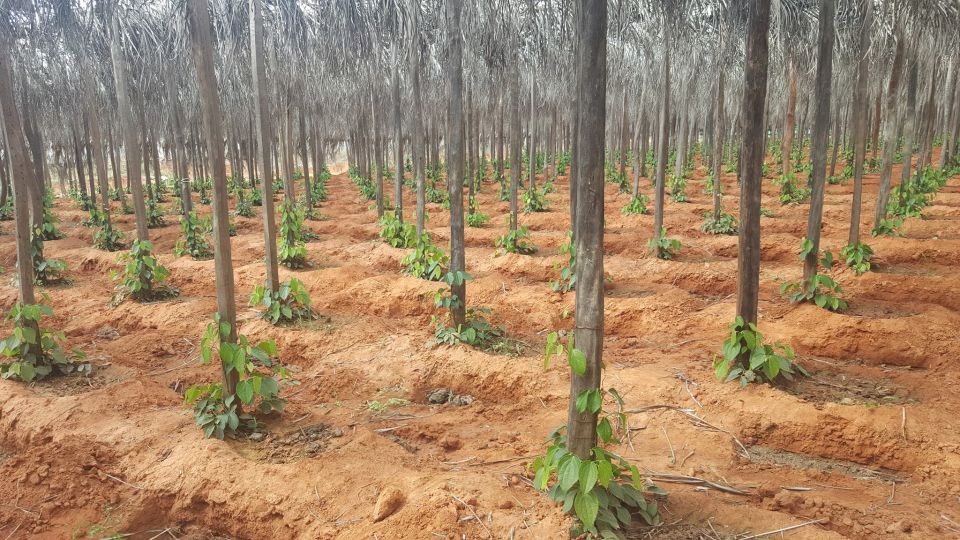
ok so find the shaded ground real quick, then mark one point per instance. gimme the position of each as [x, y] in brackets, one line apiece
[120, 453]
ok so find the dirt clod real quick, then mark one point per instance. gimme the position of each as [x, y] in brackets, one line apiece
[450, 442]
[389, 501]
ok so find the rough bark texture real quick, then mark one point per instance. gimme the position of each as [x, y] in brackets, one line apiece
[718, 147]
[859, 117]
[516, 145]
[130, 143]
[791, 116]
[22, 174]
[97, 143]
[262, 116]
[202, 45]
[909, 129]
[455, 152]
[754, 95]
[663, 140]
[890, 131]
[377, 155]
[951, 112]
[416, 120]
[591, 87]
[398, 144]
[819, 134]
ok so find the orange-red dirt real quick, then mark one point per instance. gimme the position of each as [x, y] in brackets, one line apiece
[870, 446]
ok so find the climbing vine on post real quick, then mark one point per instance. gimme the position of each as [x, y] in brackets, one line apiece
[604, 491]
[219, 413]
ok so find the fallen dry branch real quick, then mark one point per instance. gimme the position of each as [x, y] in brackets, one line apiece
[505, 460]
[471, 458]
[474, 513]
[785, 529]
[122, 481]
[14, 531]
[686, 385]
[952, 526]
[695, 481]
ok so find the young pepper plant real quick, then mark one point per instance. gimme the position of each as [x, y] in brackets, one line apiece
[568, 273]
[857, 257]
[291, 302]
[142, 276]
[820, 289]
[603, 492]
[476, 330]
[515, 241]
[427, 261]
[258, 376]
[292, 252]
[663, 247]
[747, 358]
[193, 242]
[46, 271]
[36, 351]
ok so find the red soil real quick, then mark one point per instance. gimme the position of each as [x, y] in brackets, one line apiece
[872, 440]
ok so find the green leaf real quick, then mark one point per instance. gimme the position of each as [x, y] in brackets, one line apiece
[731, 348]
[720, 367]
[26, 371]
[604, 472]
[758, 357]
[578, 361]
[268, 346]
[569, 472]
[637, 479]
[594, 401]
[604, 430]
[233, 422]
[29, 335]
[623, 515]
[588, 476]
[616, 395]
[586, 507]
[582, 399]
[552, 339]
[245, 391]
[259, 355]
[269, 387]
[568, 499]
[771, 370]
[540, 479]
[227, 352]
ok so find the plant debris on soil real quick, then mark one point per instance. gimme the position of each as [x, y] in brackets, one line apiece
[441, 396]
[300, 443]
[760, 454]
[827, 386]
